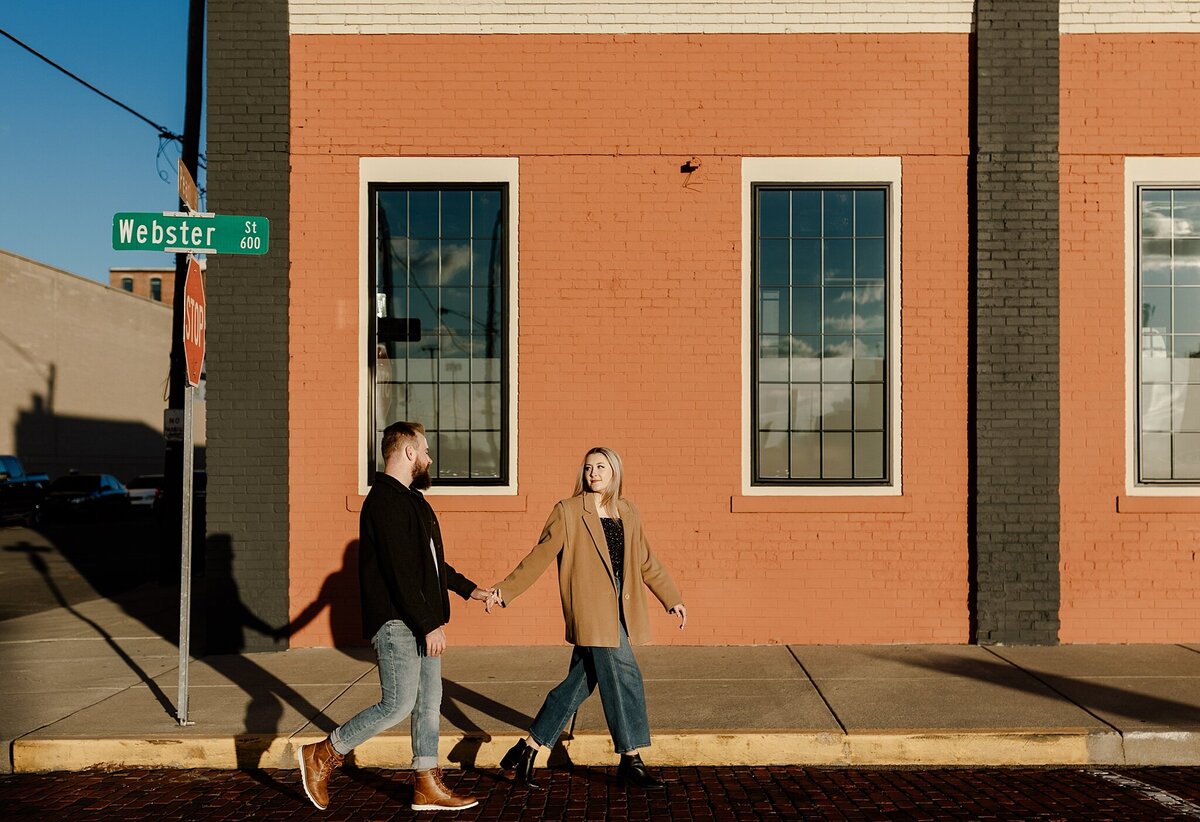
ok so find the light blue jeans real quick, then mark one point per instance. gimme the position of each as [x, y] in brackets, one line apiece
[412, 684]
[622, 694]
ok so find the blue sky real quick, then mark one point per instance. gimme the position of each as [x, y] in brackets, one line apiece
[69, 159]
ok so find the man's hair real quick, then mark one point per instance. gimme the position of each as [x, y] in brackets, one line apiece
[399, 434]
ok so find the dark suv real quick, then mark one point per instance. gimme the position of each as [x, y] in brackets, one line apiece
[84, 496]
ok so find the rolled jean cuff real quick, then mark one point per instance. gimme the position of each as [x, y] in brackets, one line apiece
[336, 741]
[424, 763]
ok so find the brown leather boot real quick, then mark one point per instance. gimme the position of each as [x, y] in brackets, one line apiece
[317, 762]
[431, 794]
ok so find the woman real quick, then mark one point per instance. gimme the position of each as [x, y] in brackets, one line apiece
[603, 561]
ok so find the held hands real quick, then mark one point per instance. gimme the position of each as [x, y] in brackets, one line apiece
[681, 612]
[488, 596]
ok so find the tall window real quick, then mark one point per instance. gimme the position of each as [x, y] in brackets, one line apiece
[156, 288]
[1169, 328]
[820, 405]
[127, 283]
[440, 326]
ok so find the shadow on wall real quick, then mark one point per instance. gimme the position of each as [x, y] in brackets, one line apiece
[52, 443]
[339, 593]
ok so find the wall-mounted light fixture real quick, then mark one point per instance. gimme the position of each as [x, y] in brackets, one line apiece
[688, 167]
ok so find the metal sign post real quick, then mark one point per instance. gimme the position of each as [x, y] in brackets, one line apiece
[189, 232]
[185, 565]
[195, 320]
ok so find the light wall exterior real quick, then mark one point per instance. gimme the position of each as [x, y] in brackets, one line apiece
[82, 372]
[630, 311]
[617, 17]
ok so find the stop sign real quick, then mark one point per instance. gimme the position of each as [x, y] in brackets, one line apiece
[194, 320]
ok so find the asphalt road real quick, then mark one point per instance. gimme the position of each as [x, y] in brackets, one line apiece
[1051, 794]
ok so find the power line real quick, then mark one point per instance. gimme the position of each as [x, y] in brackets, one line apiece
[162, 130]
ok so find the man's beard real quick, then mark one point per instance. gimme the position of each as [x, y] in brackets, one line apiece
[421, 479]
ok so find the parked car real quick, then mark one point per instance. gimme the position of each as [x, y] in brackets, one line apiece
[20, 492]
[145, 492]
[84, 496]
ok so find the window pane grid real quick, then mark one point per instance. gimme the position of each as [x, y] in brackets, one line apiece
[1169, 335]
[439, 347]
[820, 413]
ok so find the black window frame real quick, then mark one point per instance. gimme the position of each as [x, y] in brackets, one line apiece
[888, 479]
[373, 454]
[1139, 336]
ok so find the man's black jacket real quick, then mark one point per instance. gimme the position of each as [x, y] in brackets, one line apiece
[395, 567]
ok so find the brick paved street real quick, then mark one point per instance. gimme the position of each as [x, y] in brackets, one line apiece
[696, 794]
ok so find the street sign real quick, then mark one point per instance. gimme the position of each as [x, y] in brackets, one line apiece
[173, 424]
[194, 321]
[187, 188]
[183, 233]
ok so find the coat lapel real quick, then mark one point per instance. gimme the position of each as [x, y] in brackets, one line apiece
[592, 520]
[621, 504]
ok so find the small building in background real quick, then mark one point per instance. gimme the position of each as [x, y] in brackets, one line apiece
[157, 284]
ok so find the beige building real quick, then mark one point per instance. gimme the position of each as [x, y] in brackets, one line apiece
[83, 373]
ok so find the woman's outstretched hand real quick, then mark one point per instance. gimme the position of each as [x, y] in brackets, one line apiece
[681, 612]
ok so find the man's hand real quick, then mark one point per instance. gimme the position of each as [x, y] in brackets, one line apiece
[435, 642]
[680, 612]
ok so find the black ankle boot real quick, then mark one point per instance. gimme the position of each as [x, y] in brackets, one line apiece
[520, 760]
[632, 771]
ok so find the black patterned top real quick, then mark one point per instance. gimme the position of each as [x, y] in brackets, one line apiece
[614, 535]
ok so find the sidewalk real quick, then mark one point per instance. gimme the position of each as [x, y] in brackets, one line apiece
[88, 686]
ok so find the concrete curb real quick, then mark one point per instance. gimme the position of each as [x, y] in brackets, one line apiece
[1069, 747]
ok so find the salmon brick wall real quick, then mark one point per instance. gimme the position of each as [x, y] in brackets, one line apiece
[1126, 577]
[630, 313]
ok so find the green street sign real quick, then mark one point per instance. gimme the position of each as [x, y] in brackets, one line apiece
[183, 233]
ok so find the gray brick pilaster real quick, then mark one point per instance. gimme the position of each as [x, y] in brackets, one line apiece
[1015, 323]
[246, 560]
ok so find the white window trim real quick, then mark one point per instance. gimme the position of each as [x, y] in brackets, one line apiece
[817, 171]
[435, 170]
[1168, 172]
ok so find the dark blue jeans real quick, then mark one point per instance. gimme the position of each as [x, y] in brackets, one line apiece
[622, 694]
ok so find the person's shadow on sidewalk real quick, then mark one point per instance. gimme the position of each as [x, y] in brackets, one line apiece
[227, 621]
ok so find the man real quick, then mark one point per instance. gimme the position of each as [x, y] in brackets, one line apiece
[404, 579]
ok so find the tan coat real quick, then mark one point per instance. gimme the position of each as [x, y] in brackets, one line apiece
[574, 535]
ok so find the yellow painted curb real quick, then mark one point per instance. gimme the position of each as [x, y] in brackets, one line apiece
[968, 749]
[669, 749]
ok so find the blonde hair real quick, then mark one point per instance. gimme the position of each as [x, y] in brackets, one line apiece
[609, 498]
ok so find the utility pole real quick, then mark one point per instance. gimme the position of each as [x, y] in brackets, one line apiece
[171, 520]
